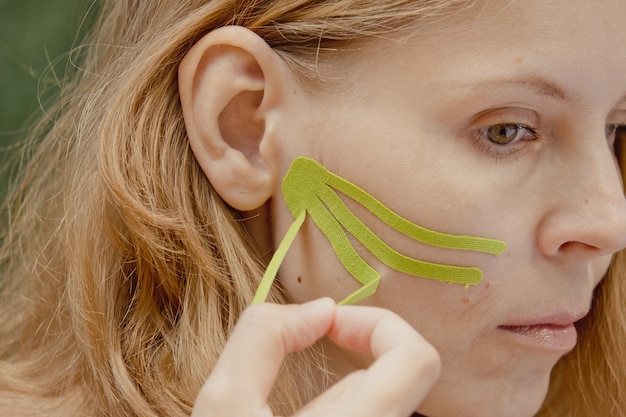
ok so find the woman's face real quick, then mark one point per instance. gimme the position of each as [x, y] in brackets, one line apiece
[498, 123]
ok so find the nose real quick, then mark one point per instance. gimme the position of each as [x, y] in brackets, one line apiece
[587, 214]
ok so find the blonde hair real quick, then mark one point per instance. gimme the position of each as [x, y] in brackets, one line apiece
[124, 272]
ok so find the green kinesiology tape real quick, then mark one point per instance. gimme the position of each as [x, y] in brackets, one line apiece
[309, 188]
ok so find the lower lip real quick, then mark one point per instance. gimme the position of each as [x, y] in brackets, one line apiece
[547, 337]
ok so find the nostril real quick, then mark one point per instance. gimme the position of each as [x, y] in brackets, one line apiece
[575, 245]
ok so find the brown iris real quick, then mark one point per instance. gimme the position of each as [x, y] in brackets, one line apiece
[504, 134]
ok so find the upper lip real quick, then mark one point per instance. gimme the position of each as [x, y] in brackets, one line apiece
[559, 318]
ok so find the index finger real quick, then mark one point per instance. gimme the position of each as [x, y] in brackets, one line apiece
[406, 366]
[247, 368]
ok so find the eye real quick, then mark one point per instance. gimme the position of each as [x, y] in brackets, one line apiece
[615, 136]
[508, 133]
[614, 132]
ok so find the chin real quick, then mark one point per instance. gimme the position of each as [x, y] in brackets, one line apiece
[522, 398]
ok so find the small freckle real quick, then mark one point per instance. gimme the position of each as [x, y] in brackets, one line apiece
[299, 279]
[465, 300]
[519, 59]
[487, 285]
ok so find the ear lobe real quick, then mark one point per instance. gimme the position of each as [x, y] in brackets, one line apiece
[229, 83]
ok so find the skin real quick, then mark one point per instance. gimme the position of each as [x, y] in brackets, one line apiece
[409, 123]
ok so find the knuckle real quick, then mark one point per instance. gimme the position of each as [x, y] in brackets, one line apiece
[213, 397]
[275, 322]
[258, 311]
[259, 316]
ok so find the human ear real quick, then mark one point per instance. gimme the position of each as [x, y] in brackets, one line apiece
[230, 84]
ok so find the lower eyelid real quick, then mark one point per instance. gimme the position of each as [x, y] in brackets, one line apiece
[490, 149]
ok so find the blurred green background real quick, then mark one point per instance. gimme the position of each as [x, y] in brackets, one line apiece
[33, 33]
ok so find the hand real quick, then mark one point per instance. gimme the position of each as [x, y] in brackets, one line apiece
[405, 366]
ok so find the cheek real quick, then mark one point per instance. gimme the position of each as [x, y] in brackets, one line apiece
[431, 305]
[347, 210]
[312, 270]
[598, 268]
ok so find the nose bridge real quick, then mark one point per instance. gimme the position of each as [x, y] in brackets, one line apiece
[600, 178]
[596, 205]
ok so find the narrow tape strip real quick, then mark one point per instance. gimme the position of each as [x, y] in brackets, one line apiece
[272, 268]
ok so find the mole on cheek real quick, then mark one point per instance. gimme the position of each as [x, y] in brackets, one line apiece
[299, 279]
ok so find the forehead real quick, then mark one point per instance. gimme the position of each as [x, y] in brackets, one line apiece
[577, 25]
[579, 43]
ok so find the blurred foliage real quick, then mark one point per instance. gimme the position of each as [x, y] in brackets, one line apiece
[34, 35]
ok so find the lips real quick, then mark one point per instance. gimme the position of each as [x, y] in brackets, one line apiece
[555, 333]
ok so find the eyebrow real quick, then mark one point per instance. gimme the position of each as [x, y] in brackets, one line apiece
[537, 85]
